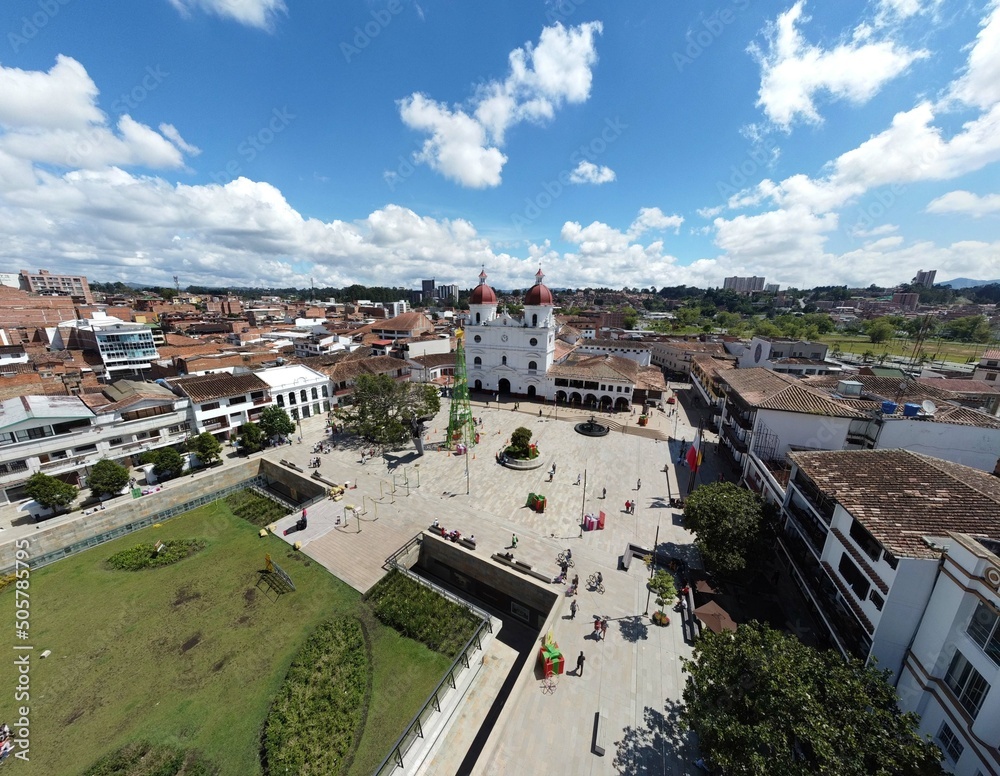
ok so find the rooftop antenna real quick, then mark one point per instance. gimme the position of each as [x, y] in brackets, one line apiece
[312, 286]
[177, 284]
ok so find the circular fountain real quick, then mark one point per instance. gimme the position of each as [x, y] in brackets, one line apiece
[592, 428]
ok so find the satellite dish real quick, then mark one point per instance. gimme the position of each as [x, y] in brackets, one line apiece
[929, 407]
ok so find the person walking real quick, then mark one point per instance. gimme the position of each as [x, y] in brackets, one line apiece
[579, 479]
[604, 628]
[628, 507]
[572, 609]
[638, 484]
[604, 493]
[513, 541]
[581, 658]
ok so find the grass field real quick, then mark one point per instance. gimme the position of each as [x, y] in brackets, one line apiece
[958, 352]
[189, 654]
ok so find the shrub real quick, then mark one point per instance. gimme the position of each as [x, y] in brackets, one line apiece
[420, 613]
[145, 759]
[255, 508]
[145, 556]
[317, 714]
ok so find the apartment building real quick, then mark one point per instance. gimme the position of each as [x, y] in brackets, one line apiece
[954, 662]
[64, 436]
[124, 348]
[221, 402]
[44, 282]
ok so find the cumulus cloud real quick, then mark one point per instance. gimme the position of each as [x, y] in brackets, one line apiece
[252, 13]
[794, 72]
[967, 203]
[588, 172]
[980, 83]
[464, 143]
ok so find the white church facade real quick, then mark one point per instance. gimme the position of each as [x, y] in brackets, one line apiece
[506, 354]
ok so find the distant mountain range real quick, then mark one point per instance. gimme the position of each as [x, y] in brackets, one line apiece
[965, 283]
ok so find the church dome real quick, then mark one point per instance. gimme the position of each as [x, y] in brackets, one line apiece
[539, 293]
[483, 294]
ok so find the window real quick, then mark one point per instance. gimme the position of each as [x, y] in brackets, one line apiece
[237, 400]
[967, 683]
[212, 405]
[533, 342]
[503, 360]
[984, 631]
[477, 361]
[852, 575]
[477, 338]
[84, 449]
[991, 376]
[116, 441]
[876, 599]
[291, 398]
[315, 393]
[865, 541]
[534, 320]
[532, 365]
[326, 392]
[950, 744]
[303, 396]
[281, 400]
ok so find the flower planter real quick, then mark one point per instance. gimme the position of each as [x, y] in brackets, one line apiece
[643, 420]
[661, 619]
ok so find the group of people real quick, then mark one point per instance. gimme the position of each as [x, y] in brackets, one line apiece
[300, 525]
[630, 507]
[453, 535]
[6, 744]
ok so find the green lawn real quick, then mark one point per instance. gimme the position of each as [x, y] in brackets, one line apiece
[190, 654]
[958, 352]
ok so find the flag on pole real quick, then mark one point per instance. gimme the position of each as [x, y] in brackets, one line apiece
[694, 454]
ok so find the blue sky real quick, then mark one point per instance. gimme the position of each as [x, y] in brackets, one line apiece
[270, 142]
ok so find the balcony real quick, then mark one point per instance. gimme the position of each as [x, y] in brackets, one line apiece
[732, 435]
[861, 561]
[817, 585]
[823, 506]
[808, 524]
[742, 419]
[261, 402]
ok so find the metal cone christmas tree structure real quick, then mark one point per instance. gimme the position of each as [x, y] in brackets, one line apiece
[461, 427]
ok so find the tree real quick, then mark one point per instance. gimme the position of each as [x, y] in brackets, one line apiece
[274, 421]
[388, 412]
[762, 702]
[520, 441]
[662, 584]
[206, 447]
[972, 328]
[107, 478]
[50, 492]
[251, 437]
[166, 461]
[880, 330]
[729, 522]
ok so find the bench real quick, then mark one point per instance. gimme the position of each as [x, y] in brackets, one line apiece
[317, 476]
[503, 561]
[467, 543]
[290, 465]
[539, 575]
[600, 732]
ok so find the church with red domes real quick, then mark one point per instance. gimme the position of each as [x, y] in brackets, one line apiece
[507, 354]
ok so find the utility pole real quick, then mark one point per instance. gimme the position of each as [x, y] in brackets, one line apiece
[583, 503]
[652, 566]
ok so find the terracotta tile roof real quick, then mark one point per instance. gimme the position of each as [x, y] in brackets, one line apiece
[348, 369]
[959, 387]
[650, 378]
[562, 349]
[991, 355]
[412, 321]
[218, 386]
[795, 398]
[624, 344]
[596, 368]
[757, 384]
[901, 496]
[712, 365]
[434, 359]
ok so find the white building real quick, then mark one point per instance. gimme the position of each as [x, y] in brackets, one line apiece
[65, 435]
[507, 354]
[320, 345]
[854, 539]
[124, 348]
[222, 402]
[634, 350]
[954, 662]
[303, 392]
[988, 368]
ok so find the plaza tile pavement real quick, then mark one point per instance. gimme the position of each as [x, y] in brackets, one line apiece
[631, 675]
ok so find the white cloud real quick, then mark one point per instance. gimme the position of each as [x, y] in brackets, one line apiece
[889, 11]
[457, 146]
[652, 218]
[710, 212]
[980, 83]
[793, 71]
[965, 202]
[588, 172]
[52, 118]
[465, 143]
[63, 98]
[252, 13]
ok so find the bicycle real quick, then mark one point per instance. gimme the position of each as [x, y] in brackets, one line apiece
[563, 558]
[594, 584]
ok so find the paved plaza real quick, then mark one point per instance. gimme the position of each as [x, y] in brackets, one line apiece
[634, 676]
